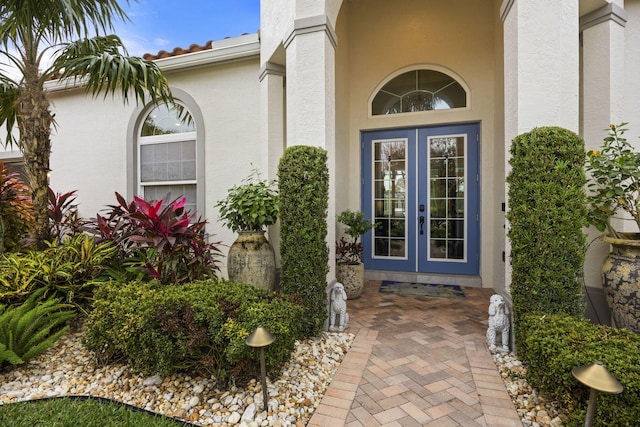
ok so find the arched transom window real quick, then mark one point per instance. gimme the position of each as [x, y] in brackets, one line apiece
[167, 155]
[419, 90]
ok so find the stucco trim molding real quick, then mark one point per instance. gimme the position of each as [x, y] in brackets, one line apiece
[610, 12]
[505, 8]
[312, 24]
[269, 68]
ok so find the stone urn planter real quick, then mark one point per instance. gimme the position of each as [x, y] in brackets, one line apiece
[251, 259]
[621, 280]
[352, 278]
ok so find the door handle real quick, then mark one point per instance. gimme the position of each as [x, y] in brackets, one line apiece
[421, 224]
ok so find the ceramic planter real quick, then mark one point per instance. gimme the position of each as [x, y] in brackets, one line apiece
[352, 277]
[251, 260]
[621, 281]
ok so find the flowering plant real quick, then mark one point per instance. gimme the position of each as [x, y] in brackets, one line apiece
[615, 181]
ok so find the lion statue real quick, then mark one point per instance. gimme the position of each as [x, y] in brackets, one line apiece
[499, 323]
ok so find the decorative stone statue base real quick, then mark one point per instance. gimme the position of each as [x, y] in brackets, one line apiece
[337, 307]
[499, 323]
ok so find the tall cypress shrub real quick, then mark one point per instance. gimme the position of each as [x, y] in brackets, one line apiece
[303, 180]
[547, 213]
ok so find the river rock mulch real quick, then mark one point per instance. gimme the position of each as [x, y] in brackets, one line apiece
[534, 410]
[68, 369]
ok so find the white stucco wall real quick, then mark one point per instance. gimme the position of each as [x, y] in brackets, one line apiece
[90, 145]
[632, 71]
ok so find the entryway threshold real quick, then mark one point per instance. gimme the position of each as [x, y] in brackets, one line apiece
[407, 276]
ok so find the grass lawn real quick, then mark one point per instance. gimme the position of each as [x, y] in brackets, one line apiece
[72, 412]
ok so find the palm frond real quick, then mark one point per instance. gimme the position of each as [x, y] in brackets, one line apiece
[58, 20]
[102, 65]
[9, 109]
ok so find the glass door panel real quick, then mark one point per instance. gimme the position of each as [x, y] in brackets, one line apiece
[390, 167]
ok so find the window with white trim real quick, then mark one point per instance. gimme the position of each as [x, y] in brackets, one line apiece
[419, 90]
[167, 155]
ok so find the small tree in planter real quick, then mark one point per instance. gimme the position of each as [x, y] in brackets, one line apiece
[349, 251]
[247, 210]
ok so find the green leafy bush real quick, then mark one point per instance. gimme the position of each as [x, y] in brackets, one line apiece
[547, 212]
[16, 210]
[198, 326]
[69, 270]
[557, 343]
[31, 328]
[303, 180]
[250, 206]
[615, 181]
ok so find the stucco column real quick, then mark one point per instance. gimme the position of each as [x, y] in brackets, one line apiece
[310, 54]
[603, 61]
[541, 71]
[272, 130]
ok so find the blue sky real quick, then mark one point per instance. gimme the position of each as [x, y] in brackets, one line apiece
[164, 24]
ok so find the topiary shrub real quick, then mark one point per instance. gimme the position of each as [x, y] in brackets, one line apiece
[547, 212]
[557, 343]
[303, 180]
[199, 327]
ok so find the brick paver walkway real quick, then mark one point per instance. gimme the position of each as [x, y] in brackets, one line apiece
[417, 361]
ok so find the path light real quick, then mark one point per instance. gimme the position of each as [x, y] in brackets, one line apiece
[260, 338]
[598, 378]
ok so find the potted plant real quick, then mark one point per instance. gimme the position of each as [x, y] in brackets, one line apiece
[247, 210]
[349, 250]
[615, 187]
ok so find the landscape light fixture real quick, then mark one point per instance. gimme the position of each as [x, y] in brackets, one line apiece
[598, 379]
[260, 338]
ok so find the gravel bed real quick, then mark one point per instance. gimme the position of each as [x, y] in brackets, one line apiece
[534, 410]
[68, 369]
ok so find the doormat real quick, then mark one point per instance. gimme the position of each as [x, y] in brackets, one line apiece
[421, 289]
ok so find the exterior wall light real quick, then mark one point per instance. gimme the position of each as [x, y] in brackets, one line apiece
[598, 379]
[260, 338]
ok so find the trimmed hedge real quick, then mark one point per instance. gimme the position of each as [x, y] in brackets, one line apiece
[547, 213]
[198, 327]
[557, 343]
[303, 180]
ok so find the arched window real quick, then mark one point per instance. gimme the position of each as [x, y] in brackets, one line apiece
[419, 90]
[167, 155]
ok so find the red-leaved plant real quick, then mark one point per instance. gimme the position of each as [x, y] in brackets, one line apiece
[16, 209]
[160, 239]
[63, 215]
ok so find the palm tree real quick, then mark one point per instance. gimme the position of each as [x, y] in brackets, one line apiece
[32, 29]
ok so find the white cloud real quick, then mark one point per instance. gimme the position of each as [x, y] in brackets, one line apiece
[160, 42]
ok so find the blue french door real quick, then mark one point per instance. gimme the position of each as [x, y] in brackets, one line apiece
[421, 187]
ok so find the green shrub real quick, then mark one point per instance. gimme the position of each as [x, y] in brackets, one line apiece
[303, 181]
[557, 343]
[70, 270]
[547, 212]
[31, 328]
[198, 326]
